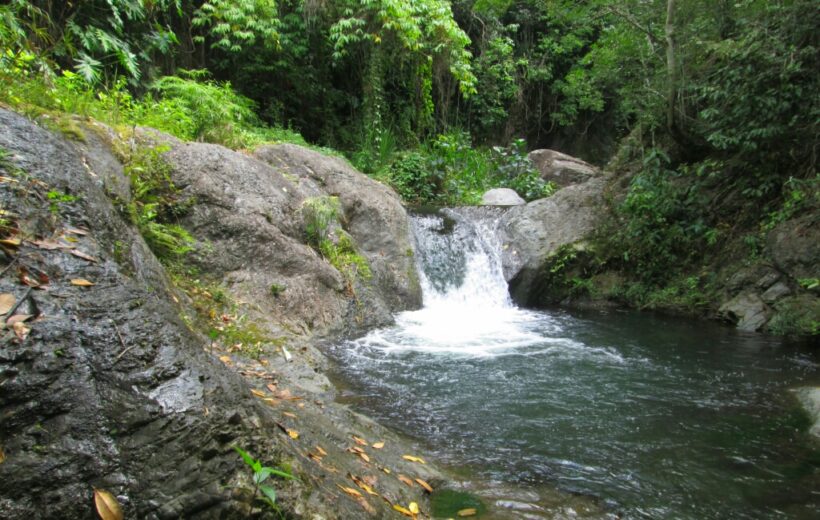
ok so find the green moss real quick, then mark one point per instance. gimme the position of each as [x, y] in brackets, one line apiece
[796, 316]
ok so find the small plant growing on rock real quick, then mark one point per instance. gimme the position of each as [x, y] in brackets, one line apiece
[260, 476]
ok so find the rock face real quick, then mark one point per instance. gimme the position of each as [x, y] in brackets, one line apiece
[501, 197]
[794, 246]
[533, 232]
[746, 310]
[562, 169]
[108, 388]
[248, 211]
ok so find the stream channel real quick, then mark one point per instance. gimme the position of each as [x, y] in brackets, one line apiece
[651, 417]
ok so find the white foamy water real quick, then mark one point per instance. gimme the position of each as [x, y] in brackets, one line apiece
[467, 309]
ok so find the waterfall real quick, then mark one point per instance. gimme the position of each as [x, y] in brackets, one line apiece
[467, 307]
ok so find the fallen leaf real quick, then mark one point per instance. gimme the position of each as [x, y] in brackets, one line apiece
[359, 441]
[107, 506]
[413, 507]
[48, 245]
[321, 451]
[293, 434]
[403, 510]
[387, 471]
[11, 242]
[355, 449]
[271, 387]
[17, 318]
[84, 256]
[406, 480]
[362, 484]
[225, 359]
[411, 458]
[467, 512]
[350, 491]
[25, 279]
[20, 330]
[7, 301]
[271, 401]
[2, 455]
[364, 457]
[257, 393]
[82, 282]
[378, 445]
[425, 485]
[291, 415]
[76, 231]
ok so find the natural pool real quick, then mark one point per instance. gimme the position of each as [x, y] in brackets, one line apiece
[656, 417]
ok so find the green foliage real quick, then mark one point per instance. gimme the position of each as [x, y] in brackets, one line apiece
[261, 474]
[234, 25]
[320, 214]
[156, 203]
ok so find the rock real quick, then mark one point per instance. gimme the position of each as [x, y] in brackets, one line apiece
[794, 246]
[775, 292]
[373, 215]
[501, 197]
[809, 397]
[248, 212]
[532, 232]
[747, 310]
[562, 169]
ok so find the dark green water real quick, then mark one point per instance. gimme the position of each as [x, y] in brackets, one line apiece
[656, 417]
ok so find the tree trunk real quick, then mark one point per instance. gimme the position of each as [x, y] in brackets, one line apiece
[671, 68]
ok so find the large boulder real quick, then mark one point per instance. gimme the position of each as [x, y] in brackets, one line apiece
[532, 233]
[248, 216]
[746, 310]
[794, 245]
[562, 169]
[109, 388]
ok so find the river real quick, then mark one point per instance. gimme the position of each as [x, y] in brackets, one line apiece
[652, 417]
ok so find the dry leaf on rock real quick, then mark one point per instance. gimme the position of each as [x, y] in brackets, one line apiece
[403, 510]
[82, 282]
[413, 507]
[10, 242]
[359, 441]
[107, 505]
[293, 434]
[7, 301]
[425, 485]
[84, 256]
[412, 458]
[378, 445]
[254, 391]
[2, 455]
[467, 512]
[406, 480]
[20, 330]
[17, 318]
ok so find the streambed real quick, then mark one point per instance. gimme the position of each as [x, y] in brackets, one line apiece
[655, 417]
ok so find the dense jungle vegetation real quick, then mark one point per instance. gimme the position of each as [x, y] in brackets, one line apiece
[708, 109]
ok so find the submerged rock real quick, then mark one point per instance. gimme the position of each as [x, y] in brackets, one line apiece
[747, 310]
[809, 397]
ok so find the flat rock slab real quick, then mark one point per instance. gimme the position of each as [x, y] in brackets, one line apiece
[501, 197]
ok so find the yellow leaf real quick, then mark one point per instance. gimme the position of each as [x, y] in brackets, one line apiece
[425, 485]
[364, 457]
[411, 458]
[467, 512]
[359, 441]
[2, 455]
[11, 242]
[7, 301]
[378, 445]
[403, 510]
[406, 480]
[107, 506]
[387, 471]
[288, 414]
[82, 282]
[320, 451]
[367, 488]
[350, 491]
[413, 507]
[293, 434]
[84, 256]
[254, 391]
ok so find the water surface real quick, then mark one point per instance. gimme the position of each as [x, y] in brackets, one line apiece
[656, 417]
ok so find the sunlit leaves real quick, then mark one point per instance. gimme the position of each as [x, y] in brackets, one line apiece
[235, 25]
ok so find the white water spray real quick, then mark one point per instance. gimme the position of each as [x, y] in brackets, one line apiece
[467, 308]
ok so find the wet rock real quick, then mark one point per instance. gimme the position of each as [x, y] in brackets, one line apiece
[809, 397]
[562, 169]
[747, 310]
[501, 197]
[112, 390]
[532, 232]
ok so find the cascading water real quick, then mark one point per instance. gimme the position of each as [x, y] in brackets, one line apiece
[655, 417]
